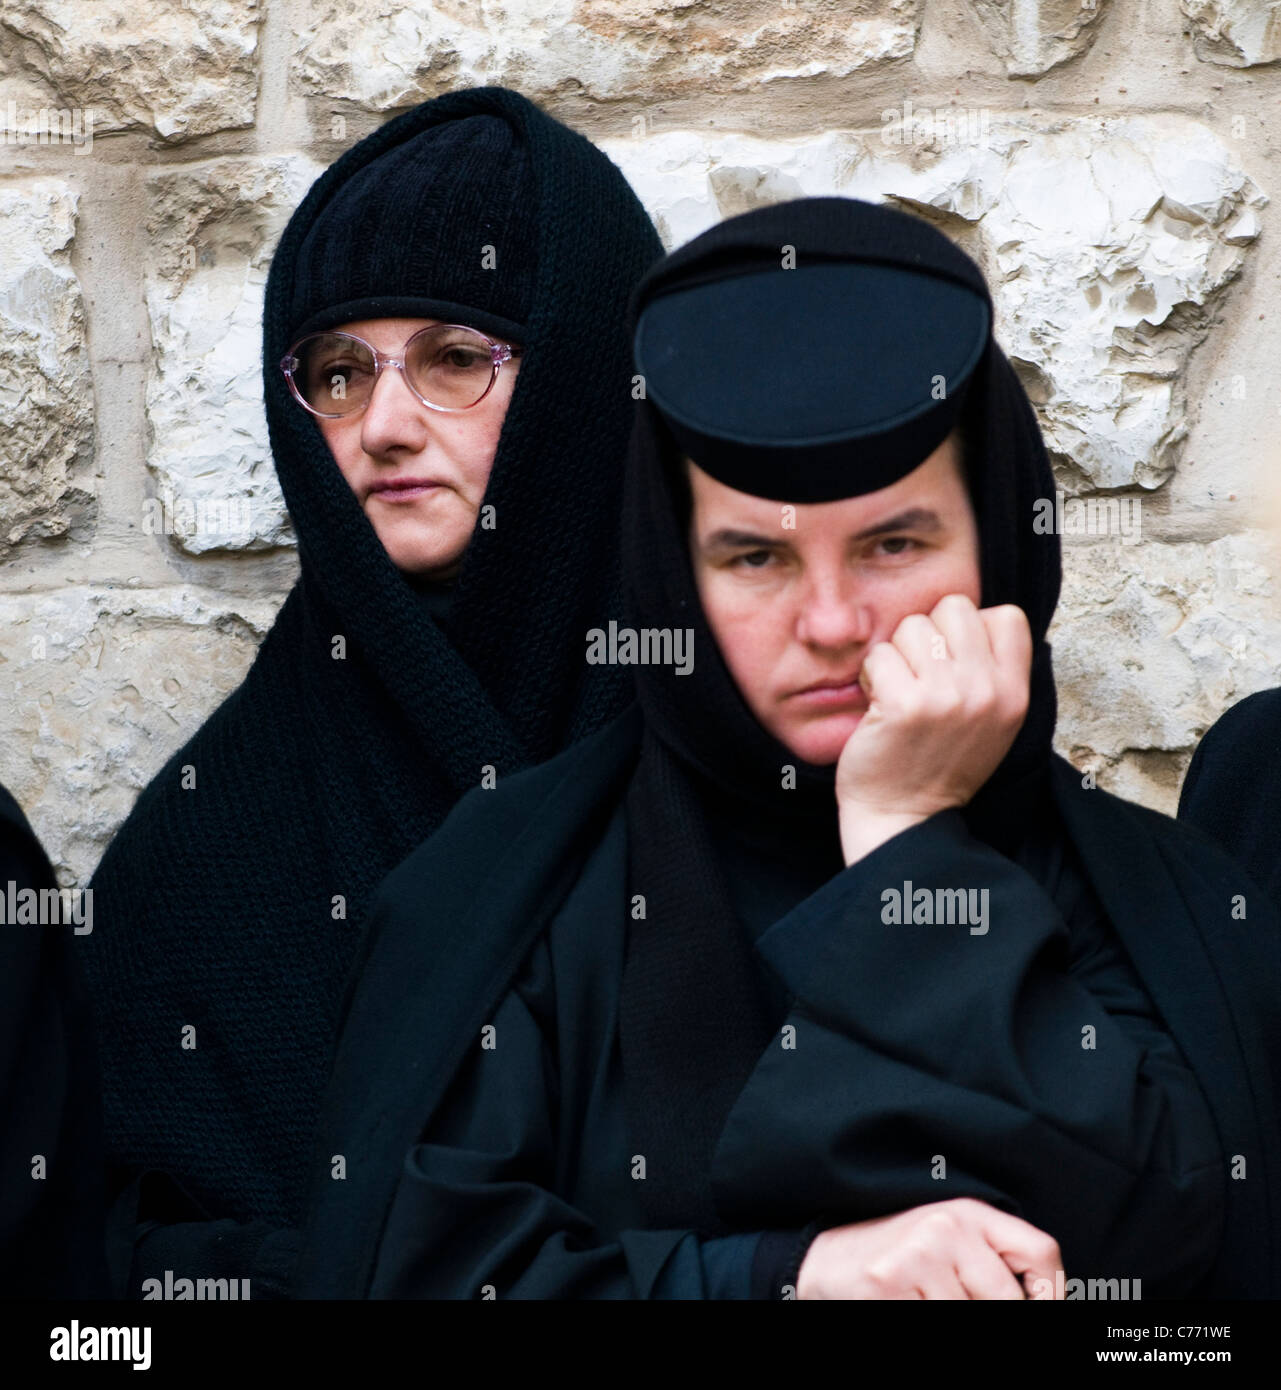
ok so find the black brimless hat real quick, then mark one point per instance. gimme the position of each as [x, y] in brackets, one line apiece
[799, 374]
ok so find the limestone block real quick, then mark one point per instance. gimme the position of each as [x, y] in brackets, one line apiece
[212, 228]
[1108, 243]
[98, 687]
[46, 391]
[177, 68]
[381, 54]
[1033, 36]
[1152, 643]
[1236, 33]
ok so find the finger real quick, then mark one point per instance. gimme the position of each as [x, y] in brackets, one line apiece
[965, 632]
[942, 1282]
[885, 675]
[1011, 637]
[1032, 1254]
[921, 644]
[985, 1275]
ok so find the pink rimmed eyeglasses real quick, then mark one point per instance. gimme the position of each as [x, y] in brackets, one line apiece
[447, 366]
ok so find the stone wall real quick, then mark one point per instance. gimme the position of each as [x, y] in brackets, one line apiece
[1107, 162]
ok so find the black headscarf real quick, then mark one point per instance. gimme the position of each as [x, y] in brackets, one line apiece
[694, 1018]
[236, 906]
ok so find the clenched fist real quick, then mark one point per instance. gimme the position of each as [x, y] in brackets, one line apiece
[961, 1248]
[946, 698]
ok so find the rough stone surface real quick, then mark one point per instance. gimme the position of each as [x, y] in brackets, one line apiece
[383, 54]
[177, 68]
[1237, 33]
[46, 391]
[1033, 36]
[1151, 642]
[212, 228]
[99, 687]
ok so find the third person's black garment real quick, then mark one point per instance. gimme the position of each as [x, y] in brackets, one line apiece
[1233, 789]
[52, 1194]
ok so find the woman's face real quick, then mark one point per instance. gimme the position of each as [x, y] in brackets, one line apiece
[795, 595]
[397, 440]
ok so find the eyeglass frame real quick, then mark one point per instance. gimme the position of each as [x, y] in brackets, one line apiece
[500, 353]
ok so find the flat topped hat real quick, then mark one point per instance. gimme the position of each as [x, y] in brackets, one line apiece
[811, 350]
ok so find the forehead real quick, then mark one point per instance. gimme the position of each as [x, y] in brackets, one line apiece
[937, 484]
[377, 331]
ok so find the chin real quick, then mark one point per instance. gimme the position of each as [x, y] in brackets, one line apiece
[424, 556]
[821, 741]
[426, 535]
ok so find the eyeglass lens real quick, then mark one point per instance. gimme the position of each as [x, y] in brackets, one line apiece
[450, 367]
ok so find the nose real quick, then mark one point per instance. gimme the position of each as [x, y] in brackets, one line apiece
[394, 420]
[833, 612]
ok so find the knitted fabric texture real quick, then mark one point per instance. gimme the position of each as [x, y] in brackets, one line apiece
[415, 225]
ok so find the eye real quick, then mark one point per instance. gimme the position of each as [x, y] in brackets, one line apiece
[900, 545]
[340, 367]
[462, 358]
[752, 559]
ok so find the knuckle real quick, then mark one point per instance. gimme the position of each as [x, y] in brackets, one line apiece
[941, 1222]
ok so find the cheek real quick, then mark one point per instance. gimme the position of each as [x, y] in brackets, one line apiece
[751, 631]
[343, 438]
[918, 589]
[473, 448]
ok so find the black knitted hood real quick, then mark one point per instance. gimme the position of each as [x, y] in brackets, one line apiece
[521, 600]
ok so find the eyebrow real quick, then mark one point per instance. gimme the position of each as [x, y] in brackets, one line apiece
[913, 519]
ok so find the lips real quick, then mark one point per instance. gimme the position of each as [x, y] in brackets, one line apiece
[837, 690]
[837, 683]
[393, 489]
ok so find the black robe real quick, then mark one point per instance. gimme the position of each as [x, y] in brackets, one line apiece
[51, 1225]
[455, 1161]
[1233, 790]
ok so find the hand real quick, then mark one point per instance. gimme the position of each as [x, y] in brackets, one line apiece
[946, 697]
[961, 1248]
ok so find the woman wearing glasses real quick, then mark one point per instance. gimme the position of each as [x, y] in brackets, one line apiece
[446, 380]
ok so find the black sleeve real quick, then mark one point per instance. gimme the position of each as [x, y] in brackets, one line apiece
[477, 1213]
[985, 1058]
[159, 1231]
